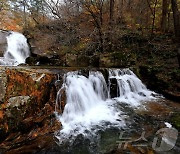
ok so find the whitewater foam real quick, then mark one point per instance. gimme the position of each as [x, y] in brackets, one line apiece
[89, 106]
[130, 88]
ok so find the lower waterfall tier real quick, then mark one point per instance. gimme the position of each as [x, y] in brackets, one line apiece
[90, 105]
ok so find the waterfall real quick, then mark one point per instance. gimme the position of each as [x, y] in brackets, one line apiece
[17, 50]
[87, 104]
[90, 107]
[130, 88]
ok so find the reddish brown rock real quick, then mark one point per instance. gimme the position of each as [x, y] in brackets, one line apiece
[27, 105]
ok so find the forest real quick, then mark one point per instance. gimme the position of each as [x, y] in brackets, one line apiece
[144, 34]
[93, 24]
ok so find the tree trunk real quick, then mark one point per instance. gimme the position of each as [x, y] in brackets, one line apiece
[24, 12]
[164, 15]
[111, 22]
[154, 16]
[111, 12]
[176, 17]
[153, 12]
[120, 11]
[101, 47]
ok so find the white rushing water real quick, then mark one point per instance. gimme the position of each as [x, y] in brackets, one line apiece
[130, 88]
[89, 106]
[17, 50]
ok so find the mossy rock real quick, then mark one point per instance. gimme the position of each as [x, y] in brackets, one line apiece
[175, 120]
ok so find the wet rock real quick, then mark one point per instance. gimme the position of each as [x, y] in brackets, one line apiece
[43, 60]
[38, 60]
[3, 41]
[162, 83]
[32, 60]
[113, 88]
[142, 94]
[61, 101]
[175, 120]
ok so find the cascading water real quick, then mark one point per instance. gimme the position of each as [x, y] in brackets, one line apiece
[130, 88]
[17, 50]
[89, 106]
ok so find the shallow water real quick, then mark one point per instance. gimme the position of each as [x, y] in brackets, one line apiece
[148, 119]
[139, 121]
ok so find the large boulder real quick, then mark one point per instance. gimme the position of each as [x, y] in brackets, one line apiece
[3, 41]
[27, 103]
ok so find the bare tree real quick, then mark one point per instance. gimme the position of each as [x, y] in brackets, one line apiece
[153, 12]
[95, 10]
[54, 7]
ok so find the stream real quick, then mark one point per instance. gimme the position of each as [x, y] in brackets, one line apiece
[137, 136]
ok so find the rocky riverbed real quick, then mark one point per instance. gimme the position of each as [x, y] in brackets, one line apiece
[28, 122]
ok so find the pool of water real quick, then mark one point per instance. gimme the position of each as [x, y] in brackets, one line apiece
[137, 136]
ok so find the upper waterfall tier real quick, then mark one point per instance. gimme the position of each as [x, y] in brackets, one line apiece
[17, 50]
